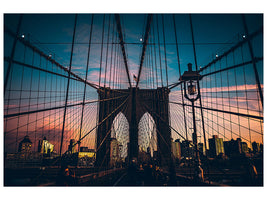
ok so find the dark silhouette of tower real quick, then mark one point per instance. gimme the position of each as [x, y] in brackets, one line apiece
[139, 101]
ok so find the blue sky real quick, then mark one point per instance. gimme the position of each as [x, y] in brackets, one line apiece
[211, 31]
[213, 34]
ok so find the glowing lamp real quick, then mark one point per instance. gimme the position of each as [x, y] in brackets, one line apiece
[190, 79]
[191, 88]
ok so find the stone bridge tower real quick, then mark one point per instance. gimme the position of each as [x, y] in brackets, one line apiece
[134, 103]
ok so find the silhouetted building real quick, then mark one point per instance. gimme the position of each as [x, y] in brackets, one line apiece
[71, 146]
[255, 147]
[176, 149]
[114, 151]
[25, 145]
[201, 148]
[244, 147]
[261, 148]
[232, 147]
[215, 146]
[186, 149]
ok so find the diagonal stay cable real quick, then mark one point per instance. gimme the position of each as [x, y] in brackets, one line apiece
[86, 74]
[149, 20]
[256, 59]
[142, 107]
[60, 107]
[119, 30]
[12, 52]
[223, 111]
[248, 38]
[159, 117]
[47, 57]
[103, 120]
[8, 59]
[102, 142]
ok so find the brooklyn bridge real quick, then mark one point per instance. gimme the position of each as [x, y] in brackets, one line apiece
[133, 100]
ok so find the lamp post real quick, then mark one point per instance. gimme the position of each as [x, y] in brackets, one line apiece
[190, 79]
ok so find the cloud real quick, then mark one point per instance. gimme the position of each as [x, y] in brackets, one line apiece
[211, 118]
[231, 88]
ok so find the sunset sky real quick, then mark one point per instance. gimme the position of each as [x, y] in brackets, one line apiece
[52, 33]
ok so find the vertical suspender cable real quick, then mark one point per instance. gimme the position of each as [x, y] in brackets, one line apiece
[12, 53]
[103, 30]
[253, 59]
[107, 52]
[111, 65]
[166, 65]
[155, 55]
[246, 95]
[98, 104]
[179, 67]
[86, 73]
[159, 52]
[68, 84]
[200, 101]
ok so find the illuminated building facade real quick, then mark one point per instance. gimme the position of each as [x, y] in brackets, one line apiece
[25, 145]
[215, 146]
[44, 147]
[176, 149]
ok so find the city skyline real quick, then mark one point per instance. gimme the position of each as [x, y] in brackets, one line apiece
[209, 44]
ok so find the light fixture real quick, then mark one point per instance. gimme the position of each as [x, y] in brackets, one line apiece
[191, 79]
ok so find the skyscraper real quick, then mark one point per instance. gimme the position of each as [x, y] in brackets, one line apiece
[232, 147]
[215, 146]
[255, 147]
[186, 149]
[114, 151]
[25, 145]
[176, 149]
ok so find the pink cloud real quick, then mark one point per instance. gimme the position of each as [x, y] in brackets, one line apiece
[231, 88]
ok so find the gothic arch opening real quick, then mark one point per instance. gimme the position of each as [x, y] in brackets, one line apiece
[120, 137]
[147, 135]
